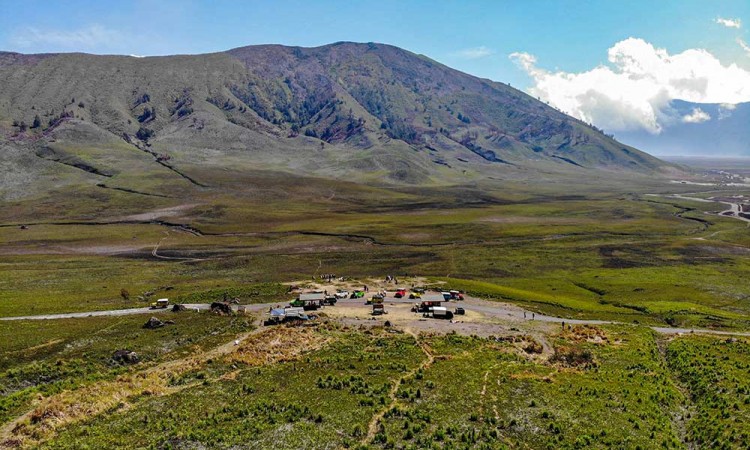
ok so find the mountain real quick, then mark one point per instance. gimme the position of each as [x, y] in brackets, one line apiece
[716, 130]
[370, 112]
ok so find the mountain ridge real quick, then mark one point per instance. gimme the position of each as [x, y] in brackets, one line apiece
[333, 110]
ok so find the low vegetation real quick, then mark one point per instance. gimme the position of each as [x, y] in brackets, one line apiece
[334, 386]
[41, 359]
[715, 373]
[164, 225]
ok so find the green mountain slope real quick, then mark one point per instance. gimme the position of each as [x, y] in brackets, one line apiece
[369, 111]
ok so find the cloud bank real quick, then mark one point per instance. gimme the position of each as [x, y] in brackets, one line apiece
[633, 91]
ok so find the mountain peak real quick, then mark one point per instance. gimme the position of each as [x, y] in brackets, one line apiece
[413, 118]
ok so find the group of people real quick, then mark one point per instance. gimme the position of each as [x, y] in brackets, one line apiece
[327, 277]
[391, 279]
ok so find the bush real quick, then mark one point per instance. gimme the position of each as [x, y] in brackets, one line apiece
[144, 134]
[573, 357]
[184, 111]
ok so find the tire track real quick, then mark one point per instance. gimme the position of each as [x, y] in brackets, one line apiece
[372, 427]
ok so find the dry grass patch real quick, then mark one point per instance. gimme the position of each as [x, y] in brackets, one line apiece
[278, 344]
[586, 333]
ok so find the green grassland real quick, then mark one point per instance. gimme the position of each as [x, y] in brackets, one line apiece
[587, 254]
[431, 391]
[43, 358]
[479, 395]
[575, 251]
[715, 372]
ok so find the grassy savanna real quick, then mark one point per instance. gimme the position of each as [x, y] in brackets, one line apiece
[480, 394]
[715, 372]
[312, 383]
[628, 257]
[334, 386]
[41, 359]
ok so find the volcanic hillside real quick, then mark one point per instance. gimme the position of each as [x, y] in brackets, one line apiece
[369, 113]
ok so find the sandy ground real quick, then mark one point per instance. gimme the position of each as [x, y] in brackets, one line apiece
[374, 284]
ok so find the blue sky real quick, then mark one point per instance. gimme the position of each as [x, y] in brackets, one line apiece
[565, 35]
[558, 47]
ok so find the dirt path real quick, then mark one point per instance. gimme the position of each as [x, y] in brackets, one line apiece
[483, 394]
[372, 428]
[686, 408]
[505, 312]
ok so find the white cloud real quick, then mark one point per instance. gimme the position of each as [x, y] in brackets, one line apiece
[86, 38]
[474, 52]
[633, 91]
[744, 45]
[725, 110]
[696, 116]
[729, 23]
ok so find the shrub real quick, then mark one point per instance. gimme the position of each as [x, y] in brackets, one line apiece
[144, 134]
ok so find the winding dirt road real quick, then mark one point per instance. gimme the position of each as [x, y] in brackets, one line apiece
[733, 212]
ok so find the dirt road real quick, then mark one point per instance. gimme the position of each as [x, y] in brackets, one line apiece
[733, 211]
[356, 309]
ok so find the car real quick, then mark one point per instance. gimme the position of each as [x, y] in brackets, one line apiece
[378, 309]
[456, 295]
[340, 293]
[357, 294]
[400, 293]
[375, 300]
[440, 312]
[162, 303]
[330, 300]
[460, 311]
[415, 295]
